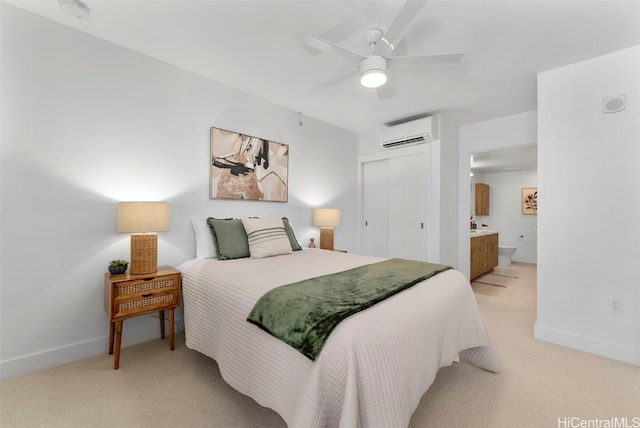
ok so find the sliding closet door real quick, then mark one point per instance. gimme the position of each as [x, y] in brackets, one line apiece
[375, 194]
[407, 207]
[394, 207]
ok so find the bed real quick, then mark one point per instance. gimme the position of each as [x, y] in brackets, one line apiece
[375, 366]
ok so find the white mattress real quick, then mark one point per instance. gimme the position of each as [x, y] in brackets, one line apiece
[373, 369]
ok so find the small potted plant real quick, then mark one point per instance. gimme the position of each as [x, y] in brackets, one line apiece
[118, 266]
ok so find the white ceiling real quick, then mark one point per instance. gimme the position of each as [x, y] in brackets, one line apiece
[249, 45]
[516, 159]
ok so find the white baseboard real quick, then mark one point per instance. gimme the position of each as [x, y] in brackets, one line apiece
[77, 351]
[614, 351]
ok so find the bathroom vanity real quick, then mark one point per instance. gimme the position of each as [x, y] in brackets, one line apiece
[484, 252]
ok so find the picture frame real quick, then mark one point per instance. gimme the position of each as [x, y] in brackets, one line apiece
[530, 200]
[244, 167]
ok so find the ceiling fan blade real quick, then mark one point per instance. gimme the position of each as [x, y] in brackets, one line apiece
[375, 11]
[400, 24]
[423, 59]
[385, 91]
[327, 46]
[346, 67]
[341, 31]
[347, 28]
[334, 81]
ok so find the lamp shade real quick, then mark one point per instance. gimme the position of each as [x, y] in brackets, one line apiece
[140, 217]
[326, 217]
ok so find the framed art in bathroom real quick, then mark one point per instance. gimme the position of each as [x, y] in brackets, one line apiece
[530, 200]
[246, 167]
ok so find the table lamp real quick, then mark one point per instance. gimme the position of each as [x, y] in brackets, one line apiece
[327, 219]
[143, 220]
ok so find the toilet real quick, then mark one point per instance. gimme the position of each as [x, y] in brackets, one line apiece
[504, 255]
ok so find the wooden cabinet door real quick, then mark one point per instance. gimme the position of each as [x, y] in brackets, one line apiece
[477, 264]
[492, 255]
[482, 199]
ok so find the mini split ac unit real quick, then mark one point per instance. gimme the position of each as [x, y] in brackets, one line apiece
[409, 133]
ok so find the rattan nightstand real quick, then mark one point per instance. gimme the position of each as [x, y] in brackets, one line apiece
[127, 296]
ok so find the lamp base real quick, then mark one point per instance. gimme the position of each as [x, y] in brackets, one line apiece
[326, 238]
[144, 253]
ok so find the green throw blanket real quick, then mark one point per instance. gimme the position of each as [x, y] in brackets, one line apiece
[303, 314]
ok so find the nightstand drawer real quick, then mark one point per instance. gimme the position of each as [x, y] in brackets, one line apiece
[149, 301]
[146, 285]
[134, 295]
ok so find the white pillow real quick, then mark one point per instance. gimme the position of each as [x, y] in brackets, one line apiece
[267, 237]
[205, 248]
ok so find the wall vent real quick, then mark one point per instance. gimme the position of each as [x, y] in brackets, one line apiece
[614, 104]
[414, 140]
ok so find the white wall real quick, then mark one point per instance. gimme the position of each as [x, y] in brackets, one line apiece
[85, 124]
[505, 132]
[505, 212]
[449, 230]
[589, 182]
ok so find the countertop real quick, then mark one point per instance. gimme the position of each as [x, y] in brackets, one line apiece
[481, 232]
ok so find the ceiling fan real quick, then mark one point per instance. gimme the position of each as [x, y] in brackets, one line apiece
[373, 66]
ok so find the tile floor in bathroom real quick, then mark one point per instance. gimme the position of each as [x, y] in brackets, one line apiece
[517, 282]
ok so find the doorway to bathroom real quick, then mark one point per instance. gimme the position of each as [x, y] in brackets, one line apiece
[504, 174]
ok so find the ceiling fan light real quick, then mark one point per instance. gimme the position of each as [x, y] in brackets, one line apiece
[373, 78]
[373, 71]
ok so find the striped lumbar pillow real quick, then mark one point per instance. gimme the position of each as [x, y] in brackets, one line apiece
[267, 237]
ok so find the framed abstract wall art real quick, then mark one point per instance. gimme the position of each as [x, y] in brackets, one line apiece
[530, 200]
[246, 167]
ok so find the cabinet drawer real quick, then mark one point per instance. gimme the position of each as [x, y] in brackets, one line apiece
[145, 285]
[153, 301]
[479, 254]
[136, 296]
[479, 241]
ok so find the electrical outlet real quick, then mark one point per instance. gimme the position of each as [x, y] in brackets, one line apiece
[615, 305]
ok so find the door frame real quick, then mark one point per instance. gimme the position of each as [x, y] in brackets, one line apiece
[497, 134]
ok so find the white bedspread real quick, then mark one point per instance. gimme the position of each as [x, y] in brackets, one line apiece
[375, 366]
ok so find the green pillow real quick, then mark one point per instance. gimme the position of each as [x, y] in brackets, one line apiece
[292, 238]
[230, 238]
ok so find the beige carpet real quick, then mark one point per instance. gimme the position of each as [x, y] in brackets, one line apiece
[155, 387]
